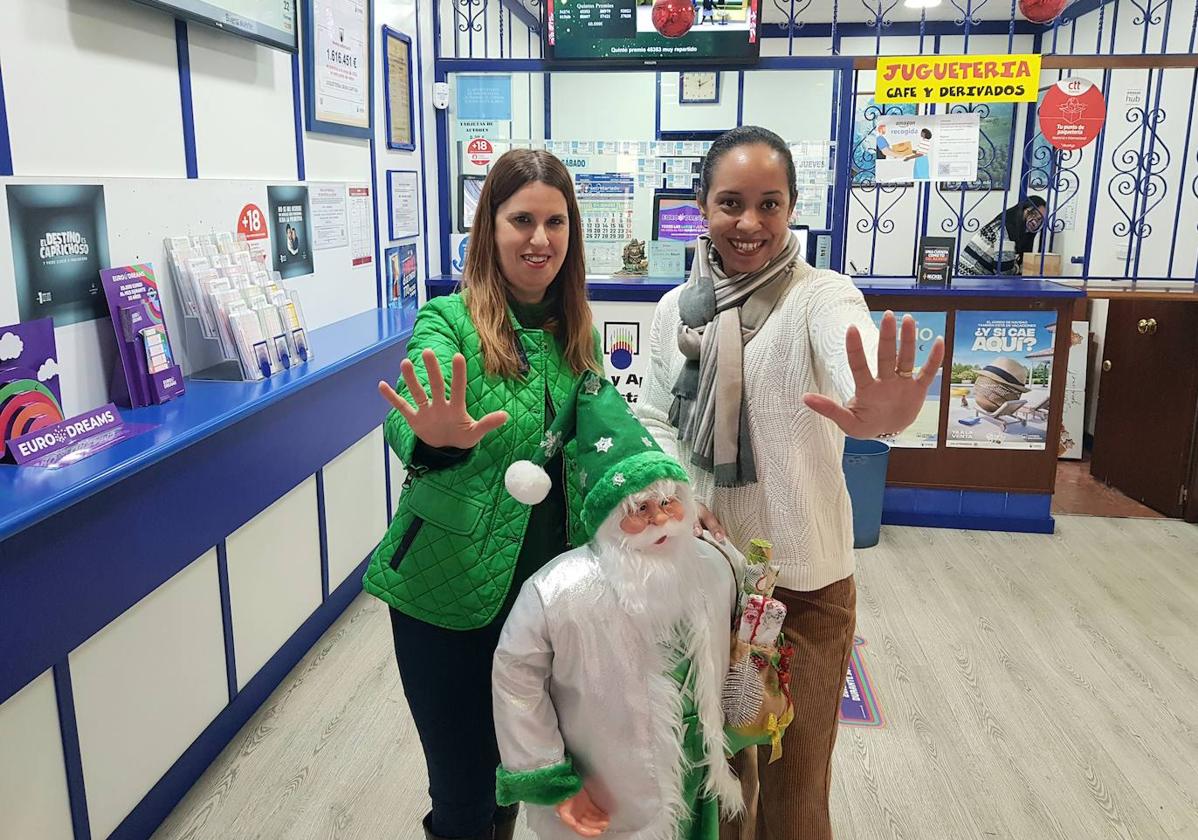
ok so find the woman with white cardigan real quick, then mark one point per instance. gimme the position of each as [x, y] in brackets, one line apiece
[760, 364]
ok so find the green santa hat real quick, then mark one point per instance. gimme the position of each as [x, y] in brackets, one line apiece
[616, 456]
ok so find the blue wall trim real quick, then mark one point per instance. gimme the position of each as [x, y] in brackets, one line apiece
[323, 527]
[226, 617]
[968, 509]
[421, 150]
[5, 145]
[73, 760]
[299, 118]
[183, 54]
[156, 805]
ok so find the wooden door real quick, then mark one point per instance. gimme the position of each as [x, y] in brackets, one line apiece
[1148, 402]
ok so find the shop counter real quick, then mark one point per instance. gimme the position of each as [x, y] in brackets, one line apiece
[961, 485]
[155, 593]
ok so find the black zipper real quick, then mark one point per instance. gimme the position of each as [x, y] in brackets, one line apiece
[405, 544]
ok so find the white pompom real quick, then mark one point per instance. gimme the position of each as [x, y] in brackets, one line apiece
[527, 482]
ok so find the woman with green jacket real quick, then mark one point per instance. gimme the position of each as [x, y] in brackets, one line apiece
[459, 547]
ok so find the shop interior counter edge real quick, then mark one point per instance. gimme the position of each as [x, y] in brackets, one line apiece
[30, 494]
[651, 289]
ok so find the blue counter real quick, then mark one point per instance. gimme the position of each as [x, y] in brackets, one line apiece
[646, 290]
[183, 573]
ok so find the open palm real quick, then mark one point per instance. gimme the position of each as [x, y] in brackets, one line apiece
[436, 420]
[891, 401]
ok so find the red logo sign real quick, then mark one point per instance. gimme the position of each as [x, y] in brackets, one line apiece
[1072, 114]
[480, 151]
[252, 222]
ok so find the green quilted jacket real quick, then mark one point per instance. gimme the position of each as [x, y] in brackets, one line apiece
[450, 552]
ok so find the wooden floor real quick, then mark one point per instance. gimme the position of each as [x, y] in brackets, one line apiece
[1078, 492]
[1034, 688]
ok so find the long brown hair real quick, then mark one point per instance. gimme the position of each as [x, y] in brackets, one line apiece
[486, 288]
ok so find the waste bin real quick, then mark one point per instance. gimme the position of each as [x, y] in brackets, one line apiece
[865, 474]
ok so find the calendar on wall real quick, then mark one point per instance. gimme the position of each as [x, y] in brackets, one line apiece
[605, 201]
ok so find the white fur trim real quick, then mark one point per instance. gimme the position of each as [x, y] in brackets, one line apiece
[528, 483]
[721, 782]
[665, 711]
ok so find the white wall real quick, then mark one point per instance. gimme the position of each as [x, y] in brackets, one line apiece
[83, 106]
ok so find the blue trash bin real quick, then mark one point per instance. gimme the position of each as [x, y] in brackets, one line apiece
[865, 474]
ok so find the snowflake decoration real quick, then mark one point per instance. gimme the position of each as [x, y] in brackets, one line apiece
[646, 441]
[551, 442]
[618, 479]
[582, 478]
[592, 386]
[603, 445]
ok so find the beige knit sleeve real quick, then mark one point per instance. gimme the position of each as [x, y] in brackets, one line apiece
[835, 304]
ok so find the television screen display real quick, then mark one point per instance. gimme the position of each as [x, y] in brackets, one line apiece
[676, 216]
[651, 31]
[271, 22]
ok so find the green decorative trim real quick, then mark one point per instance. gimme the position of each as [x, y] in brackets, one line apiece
[639, 472]
[543, 786]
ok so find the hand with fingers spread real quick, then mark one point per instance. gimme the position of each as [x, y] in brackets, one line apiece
[582, 816]
[889, 402]
[436, 420]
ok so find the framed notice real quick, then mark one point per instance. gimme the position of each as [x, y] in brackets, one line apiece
[397, 90]
[337, 67]
[403, 204]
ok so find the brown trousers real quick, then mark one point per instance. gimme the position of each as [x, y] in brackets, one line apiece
[788, 800]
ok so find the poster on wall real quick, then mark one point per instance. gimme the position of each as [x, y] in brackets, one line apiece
[30, 392]
[397, 77]
[924, 432]
[361, 225]
[403, 278]
[605, 202]
[337, 67]
[1072, 113]
[926, 148]
[329, 229]
[459, 244]
[290, 230]
[59, 244]
[484, 97]
[1001, 380]
[624, 328]
[403, 204]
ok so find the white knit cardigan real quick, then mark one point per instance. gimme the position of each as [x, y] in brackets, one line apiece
[799, 502]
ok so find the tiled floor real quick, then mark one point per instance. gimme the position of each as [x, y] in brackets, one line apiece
[1079, 493]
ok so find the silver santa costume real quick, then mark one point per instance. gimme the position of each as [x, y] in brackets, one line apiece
[580, 695]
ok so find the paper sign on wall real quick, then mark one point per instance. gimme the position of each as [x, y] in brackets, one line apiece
[1072, 113]
[932, 147]
[958, 78]
[361, 225]
[329, 228]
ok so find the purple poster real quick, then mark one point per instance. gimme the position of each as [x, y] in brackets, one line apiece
[70, 441]
[30, 394]
[858, 704]
[681, 222]
[146, 360]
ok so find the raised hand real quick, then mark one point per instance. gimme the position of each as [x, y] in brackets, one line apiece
[889, 402]
[581, 815]
[435, 420]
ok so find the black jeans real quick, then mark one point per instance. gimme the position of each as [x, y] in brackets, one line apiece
[446, 676]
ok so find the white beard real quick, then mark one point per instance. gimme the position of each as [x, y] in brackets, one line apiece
[650, 581]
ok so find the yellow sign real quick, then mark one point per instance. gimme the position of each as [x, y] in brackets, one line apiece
[958, 78]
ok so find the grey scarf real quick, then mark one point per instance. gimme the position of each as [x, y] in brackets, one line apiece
[720, 315]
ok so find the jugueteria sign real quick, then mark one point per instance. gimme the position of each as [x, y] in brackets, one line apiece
[960, 78]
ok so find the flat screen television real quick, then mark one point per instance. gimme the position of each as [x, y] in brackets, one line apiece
[665, 31]
[270, 22]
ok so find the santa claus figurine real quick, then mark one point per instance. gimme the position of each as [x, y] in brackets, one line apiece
[608, 674]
